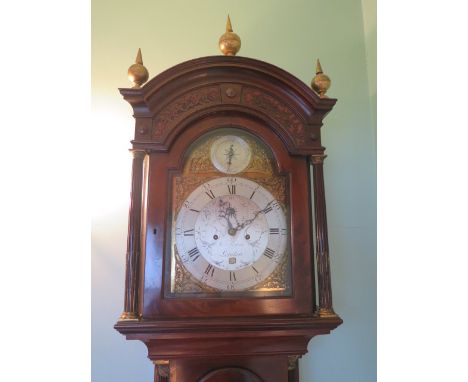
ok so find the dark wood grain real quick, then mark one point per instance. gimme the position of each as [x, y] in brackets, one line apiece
[242, 338]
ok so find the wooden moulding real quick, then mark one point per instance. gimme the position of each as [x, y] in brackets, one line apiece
[189, 91]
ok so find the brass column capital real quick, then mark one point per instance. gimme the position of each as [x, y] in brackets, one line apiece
[292, 361]
[138, 153]
[318, 158]
[162, 368]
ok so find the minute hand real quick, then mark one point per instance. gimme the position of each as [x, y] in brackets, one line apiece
[248, 221]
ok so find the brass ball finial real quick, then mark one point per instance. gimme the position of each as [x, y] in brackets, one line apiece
[229, 42]
[137, 73]
[321, 82]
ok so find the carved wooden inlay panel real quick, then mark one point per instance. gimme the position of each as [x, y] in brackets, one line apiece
[276, 110]
[179, 108]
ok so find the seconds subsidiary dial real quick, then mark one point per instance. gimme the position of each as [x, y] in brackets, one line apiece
[230, 154]
[231, 233]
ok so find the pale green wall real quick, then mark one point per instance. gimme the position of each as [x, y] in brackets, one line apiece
[289, 34]
[369, 15]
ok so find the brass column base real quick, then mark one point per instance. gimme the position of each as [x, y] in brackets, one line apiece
[325, 312]
[129, 316]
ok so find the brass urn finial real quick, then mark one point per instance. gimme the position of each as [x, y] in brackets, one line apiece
[321, 82]
[229, 42]
[137, 73]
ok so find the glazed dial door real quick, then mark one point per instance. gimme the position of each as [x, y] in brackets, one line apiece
[231, 233]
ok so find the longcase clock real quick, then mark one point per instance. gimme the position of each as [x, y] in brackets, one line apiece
[227, 269]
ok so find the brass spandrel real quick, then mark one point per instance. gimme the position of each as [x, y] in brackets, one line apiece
[276, 185]
[199, 161]
[183, 282]
[278, 280]
[183, 186]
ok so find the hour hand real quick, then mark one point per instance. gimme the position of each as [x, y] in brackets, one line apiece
[227, 212]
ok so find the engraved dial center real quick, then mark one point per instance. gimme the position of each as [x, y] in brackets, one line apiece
[242, 231]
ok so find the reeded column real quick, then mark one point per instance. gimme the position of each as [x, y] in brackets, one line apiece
[133, 240]
[321, 239]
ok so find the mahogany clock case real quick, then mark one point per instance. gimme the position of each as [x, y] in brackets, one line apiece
[245, 330]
